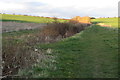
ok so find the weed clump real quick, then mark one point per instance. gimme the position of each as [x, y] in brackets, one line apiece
[16, 55]
[63, 29]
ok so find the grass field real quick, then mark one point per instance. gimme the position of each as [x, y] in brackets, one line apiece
[108, 21]
[92, 53]
[21, 18]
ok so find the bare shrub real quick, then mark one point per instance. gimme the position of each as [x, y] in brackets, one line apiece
[17, 55]
[73, 21]
[63, 29]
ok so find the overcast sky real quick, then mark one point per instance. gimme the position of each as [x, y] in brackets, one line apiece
[61, 8]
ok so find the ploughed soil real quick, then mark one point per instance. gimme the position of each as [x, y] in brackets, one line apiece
[16, 26]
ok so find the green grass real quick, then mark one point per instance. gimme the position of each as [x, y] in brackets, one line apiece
[92, 53]
[108, 21]
[18, 36]
[21, 18]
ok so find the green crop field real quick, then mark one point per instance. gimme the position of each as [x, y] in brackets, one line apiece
[92, 53]
[21, 18]
[108, 21]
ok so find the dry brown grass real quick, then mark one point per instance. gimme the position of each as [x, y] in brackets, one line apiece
[63, 29]
[14, 57]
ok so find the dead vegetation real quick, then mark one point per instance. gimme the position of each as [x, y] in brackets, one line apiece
[16, 55]
[79, 19]
[63, 29]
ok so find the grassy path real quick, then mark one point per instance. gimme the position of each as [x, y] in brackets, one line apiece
[89, 54]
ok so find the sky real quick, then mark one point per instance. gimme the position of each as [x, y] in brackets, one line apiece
[61, 8]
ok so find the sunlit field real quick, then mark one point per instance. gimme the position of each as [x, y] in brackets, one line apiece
[21, 18]
[108, 21]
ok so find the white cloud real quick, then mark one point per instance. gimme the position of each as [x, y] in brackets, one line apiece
[80, 3]
[10, 6]
[61, 8]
